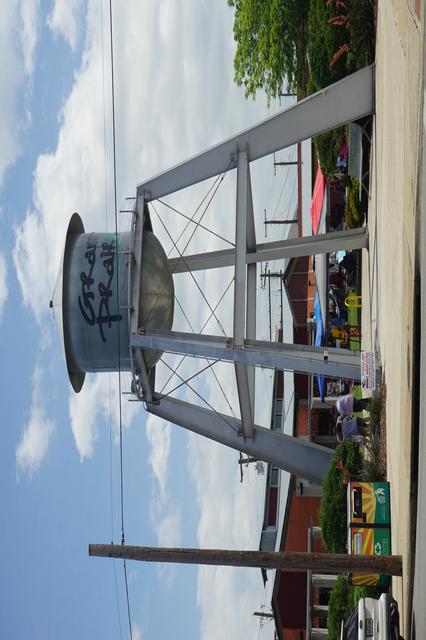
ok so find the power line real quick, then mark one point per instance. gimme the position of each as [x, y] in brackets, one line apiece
[114, 154]
[117, 602]
[283, 187]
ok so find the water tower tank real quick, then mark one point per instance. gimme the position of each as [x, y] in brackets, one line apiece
[111, 286]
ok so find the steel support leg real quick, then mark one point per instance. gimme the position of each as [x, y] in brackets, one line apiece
[295, 455]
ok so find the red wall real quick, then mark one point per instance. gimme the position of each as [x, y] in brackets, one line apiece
[302, 420]
[292, 616]
[301, 385]
[303, 514]
[290, 596]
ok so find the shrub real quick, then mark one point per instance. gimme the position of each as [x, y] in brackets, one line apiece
[374, 467]
[328, 146]
[325, 39]
[354, 215]
[343, 599]
[339, 607]
[356, 593]
[346, 462]
[334, 50]
[375, 410]
[361, 27]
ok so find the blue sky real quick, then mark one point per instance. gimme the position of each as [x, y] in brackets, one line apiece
[60, 455]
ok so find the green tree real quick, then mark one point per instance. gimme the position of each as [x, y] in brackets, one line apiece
[271, 39]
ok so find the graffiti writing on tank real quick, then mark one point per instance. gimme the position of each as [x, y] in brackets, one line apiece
[86, 301]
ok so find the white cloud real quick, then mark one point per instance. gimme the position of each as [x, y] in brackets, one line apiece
[98, 398]
[29, 12]
[31, 265]
[174, 96]
[164, 516]
[63, 20]
[17, 67]
[230, 518]
[169, 530]
[3, 284]
[136, 632]
[34, 443]
[158, 434]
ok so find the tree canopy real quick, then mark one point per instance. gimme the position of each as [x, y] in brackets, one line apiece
[271, 42]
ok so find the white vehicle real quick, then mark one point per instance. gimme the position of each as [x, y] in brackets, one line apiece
[373, 620]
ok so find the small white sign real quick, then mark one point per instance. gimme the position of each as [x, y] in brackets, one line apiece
[368, 370]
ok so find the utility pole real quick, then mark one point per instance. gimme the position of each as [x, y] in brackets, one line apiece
[286, 95]
[275, 221]
[268, 275]
[285, 163]
[245, 461]
[317, 562]
[270, 309]
[264, 617]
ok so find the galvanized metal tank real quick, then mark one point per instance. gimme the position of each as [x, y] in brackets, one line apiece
[96, 298]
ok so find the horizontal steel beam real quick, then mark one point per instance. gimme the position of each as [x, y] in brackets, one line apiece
[307, 246]
[344, 101]
[295, 455]
[334, 363]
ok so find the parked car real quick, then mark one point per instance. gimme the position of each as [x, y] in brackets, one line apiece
[373, 620]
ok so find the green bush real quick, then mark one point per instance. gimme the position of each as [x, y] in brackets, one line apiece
[339, 607]
[343, 599]
[375, 410]
[354, 214]
[347, 461]
[328, 146]
[325, 39]
[374, 467]
[361, 28]
[356, 593]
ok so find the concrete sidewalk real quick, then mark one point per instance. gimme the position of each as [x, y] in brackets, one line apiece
[389, 267]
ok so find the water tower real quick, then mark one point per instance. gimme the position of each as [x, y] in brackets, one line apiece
[110, 288]
[117, 294]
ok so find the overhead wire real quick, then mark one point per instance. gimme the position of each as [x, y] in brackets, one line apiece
[114, 155]
[290, 207]
[117, 602]
[283, 187]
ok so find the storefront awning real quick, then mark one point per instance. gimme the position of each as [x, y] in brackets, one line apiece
[317, 200]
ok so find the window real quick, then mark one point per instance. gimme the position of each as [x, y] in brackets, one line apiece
[275, 476]
[278, 415]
